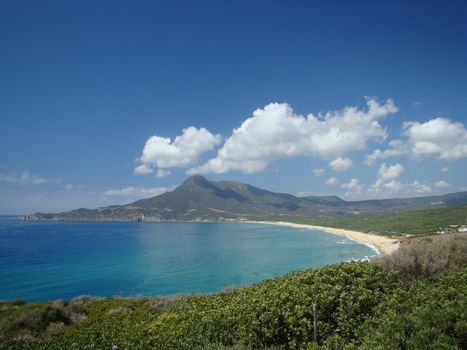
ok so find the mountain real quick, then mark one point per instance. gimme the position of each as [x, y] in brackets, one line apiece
[201, 199]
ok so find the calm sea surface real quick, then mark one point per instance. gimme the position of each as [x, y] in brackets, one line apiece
[51, 260]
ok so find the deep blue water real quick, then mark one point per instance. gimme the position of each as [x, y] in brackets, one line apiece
[52, 260]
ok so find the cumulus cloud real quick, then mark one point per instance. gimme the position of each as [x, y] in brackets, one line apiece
[445, 169]
[393, 186]
[318, 172]
[396, 188]
[162, 173]
[353, 185]
[387, 176]
[276, 132]
[419, 187]
[341, 164]
[397, 148]
[136, 192]
[442, 184]
[391, 172]
[439, 138]
[332, 181]
[184, 151]
[143, 169]
[387, 183]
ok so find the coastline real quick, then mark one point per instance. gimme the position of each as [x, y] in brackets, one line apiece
[383, 245]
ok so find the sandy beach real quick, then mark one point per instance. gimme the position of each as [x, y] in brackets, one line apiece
[384, 245]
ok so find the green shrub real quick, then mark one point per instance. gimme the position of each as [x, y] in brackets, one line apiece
[39, 320]
[277, 311]
[121, 322]
[422, 315]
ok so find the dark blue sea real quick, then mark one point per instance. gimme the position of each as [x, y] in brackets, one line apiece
[62, 260]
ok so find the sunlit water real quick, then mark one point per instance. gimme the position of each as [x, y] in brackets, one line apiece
[52, 260]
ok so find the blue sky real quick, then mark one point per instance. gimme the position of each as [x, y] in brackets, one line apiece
[91, 91]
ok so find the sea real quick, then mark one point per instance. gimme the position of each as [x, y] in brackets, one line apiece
[42, 261]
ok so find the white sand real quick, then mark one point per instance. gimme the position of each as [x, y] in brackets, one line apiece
[383, 245]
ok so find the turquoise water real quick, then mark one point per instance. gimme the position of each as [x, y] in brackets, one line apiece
[52, 260]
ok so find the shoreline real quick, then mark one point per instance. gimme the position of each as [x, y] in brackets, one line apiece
[382, 245]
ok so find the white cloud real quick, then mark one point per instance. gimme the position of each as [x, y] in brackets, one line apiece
[143, 169]
[136, 192]
[420, 188]
[392, 186]
[276, 132]
[162, 173]
[386, 181]
[442, 184]
[184, 151]
[341, 164]
[353, 185]
[24, 178]
[445, 169]
[332, 181]
[28, 178]
[440, 138]
[387, 184]
[391, 172]
[398, 148]
[318, 172]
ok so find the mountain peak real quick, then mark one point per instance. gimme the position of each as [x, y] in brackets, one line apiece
[196, 180]
[198, 198]
[196, 177]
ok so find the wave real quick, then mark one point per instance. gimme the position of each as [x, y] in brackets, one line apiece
[353, 241]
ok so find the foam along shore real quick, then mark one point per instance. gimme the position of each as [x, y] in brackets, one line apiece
[384, 245]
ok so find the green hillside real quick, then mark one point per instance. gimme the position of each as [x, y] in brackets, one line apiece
[417, 222]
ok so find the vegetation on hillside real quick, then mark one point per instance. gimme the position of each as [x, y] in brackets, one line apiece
[376, 305]
[198, 198]
[417, 222]
[428, 256]
[425, 314]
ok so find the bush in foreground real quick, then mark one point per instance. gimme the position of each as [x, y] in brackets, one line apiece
[427, 257]
[423, 315]
[278, 311]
